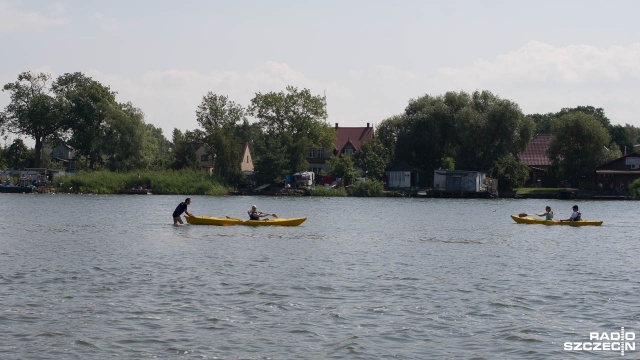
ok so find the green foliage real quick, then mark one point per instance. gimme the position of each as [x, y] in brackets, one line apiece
[367, 188]
[16, 155]
[85, 105]
[32, 111]
[447, 163]
[271, 165]
[510, 172]
[342, 167]
[579, 144]
[184, 151]
[373, 158]
[634, 189]
[327, 191]
[474, 130]
[161, 182]
[387, 132]
[294, 121]
[219, 117]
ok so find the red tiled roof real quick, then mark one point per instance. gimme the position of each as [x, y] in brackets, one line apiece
[353, 135]
[536, 152]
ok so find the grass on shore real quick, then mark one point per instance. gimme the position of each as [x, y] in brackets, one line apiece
[160, 182]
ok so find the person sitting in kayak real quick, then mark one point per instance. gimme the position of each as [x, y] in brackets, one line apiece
[254, 214]
[548, 215]
[575, 215]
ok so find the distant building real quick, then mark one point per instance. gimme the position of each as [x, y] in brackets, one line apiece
[62, 153]
[348, 141]
[463, 183]
[616, 175]
[535, 156]
[206, 158]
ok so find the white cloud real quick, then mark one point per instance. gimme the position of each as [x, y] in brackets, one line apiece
[14, 17]
[539, 62]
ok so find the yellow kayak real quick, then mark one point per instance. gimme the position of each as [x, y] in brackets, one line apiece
[227, 221]
[532, 220]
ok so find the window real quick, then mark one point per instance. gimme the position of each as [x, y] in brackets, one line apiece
[348, 151]
[204, 157]
[313, 153]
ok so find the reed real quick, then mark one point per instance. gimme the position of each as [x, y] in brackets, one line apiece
[327, 191]
[159, 182]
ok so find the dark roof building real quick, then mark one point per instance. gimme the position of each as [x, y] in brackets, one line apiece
[536, 153]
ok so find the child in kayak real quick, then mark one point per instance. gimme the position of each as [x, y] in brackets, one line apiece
[548, 215]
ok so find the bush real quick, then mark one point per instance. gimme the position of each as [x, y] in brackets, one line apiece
[634, 189]
[367, 188]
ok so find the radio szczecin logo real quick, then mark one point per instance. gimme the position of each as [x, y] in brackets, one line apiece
[606, 341]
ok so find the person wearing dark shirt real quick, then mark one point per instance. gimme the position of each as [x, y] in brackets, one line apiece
[181, 208]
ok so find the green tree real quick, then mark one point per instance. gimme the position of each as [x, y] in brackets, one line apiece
[579, 144]
[219, 117]
[271, 165]
[373, 158]
[32, 111]
[183, 150]
[510, 172]
[387, 132]
[342, 167]
[85, 105]
[295, 120]
[16, 155]
[489, 129]
[162, 158]
[126, 141]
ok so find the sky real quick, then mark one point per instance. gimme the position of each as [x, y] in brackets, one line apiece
[368, 57]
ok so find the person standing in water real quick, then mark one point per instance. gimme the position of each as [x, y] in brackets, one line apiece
[181, 208]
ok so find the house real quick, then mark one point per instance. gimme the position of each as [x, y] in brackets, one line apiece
[402, 176]
[348, 141]
[463, 182]
[246, 162]
[206, 159]
[535, 156]
[615, 176]
[62, 153]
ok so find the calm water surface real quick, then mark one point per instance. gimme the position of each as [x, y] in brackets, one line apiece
[96, 277]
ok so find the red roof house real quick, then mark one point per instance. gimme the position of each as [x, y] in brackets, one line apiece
[535, 155]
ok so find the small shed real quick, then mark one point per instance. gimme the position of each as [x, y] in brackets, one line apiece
[460, 181]
[401, 176]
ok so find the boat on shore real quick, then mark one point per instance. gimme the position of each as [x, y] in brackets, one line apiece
[532, 220]
[228, 221]
[12, 189]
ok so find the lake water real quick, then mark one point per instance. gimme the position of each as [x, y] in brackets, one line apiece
[96, 277]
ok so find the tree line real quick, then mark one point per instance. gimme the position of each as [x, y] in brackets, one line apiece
[456, 130]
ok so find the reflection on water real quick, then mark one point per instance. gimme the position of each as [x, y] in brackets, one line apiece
[86, 276]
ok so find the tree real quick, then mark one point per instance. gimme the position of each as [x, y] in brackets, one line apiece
[85, 105]
[161, 158]
[510, 172]
[126, 139]
[579, 144]
[373, 158]
[183, 150]
[219, 118]
[16, 154]
[489, 129]
[32, 111]
[387, 132]
[295, 121]
[342, 167]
